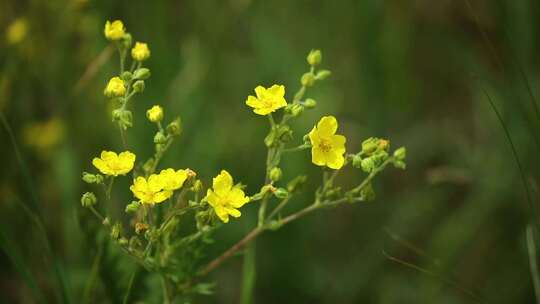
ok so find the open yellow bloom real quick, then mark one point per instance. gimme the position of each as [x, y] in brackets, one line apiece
[112, 164]
[267, 100]
[140, 51]
[225, 198]
[173, 180]
[155, 114]
[115, 88]
[150, 191]
[115, 30]
[327, 148]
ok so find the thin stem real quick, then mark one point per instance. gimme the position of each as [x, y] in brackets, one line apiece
[166, 295]
[533, 264]
[130, 286]
[97, 214]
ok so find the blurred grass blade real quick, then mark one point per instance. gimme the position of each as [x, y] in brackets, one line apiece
[91, 281]
[248, 275]
[15, 257]
[35, 206]
[127, 296]
[533, 264]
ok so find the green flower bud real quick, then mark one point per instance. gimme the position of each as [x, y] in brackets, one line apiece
[127, 76]
[160, 138]
[323, 74]
[357, 161]
[123, 117]
[138, 86]
[314, 57]
[296, 110]
[88, 199]
[401, 153]
[368, 164]
[400, 164]
[370, 145]
[197, 186]
[132, 207]
[92, 178]
[106, 222]
[307, 80]
[123, 241]
[126, 41]
[275, 174]
[310, 103]
[281, 193]
[367, 193]
[142, 73]
[175, 127]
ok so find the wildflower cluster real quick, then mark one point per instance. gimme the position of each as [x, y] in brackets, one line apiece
[162, 200]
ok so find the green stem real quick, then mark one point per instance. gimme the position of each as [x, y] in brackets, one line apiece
[166, 295]
[130, 286]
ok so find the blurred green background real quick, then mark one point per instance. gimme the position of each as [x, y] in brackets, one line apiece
[413, 71]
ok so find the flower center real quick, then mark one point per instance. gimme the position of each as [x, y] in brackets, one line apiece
[325, 145]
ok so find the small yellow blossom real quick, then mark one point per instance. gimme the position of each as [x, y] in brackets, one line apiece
[155, 114]
[225, 198]
[150, 191]
[267, 100]
[140, 51]
[112, 164]
[173, 180]
[115, 30]
[44, 135]
[327, 148]
[115, 88]
[16, 31]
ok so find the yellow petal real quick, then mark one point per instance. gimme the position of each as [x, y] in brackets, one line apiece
[233, 212]
[237, 198]
[212, 198]
[222, 183]
[260, 91]
[108, 155]
[334, 160]
[222, 214]
[253, 102]
[162, 196]
[338, 143]
[318, 156]
[276, 91]
[327, 126]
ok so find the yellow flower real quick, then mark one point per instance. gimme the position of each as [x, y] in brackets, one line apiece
[173, 180]
[140, 51]
[115, 88]
[16, 31]
[327, 148]
[150, 191]
[225, 198]
[44, 135]
[155, 114]
[267, 100]
[115, 30]
[111, 164]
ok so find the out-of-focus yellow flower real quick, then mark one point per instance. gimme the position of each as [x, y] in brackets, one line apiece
[267, 100]
[17, 31]
[327, 148]
[155, 114]
[44, 135]
[115, 30]
[140, 51]
[173, 180]
[150, 191]
[115, 88]
[225, 198]
[110, 163]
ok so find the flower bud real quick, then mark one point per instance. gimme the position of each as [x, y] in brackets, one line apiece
[114, 30]
[370, 145]
[368, 164]
[92, 178]
[115, 88]
[296, 110]
[357, 161]
[123, 241]
[310, 103]
[138, 86]
[197, 186]
[281, 193]
[401, 153]
[155, 114]
[88, 199]
[314, 57]
[140, 51]
[142, 73]
[123, 117]
[132, 207]
[126, 76]
[367, 193]
[175, 127]
[275, 174]
[308, 79]
[160, 138]
[323, 74]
